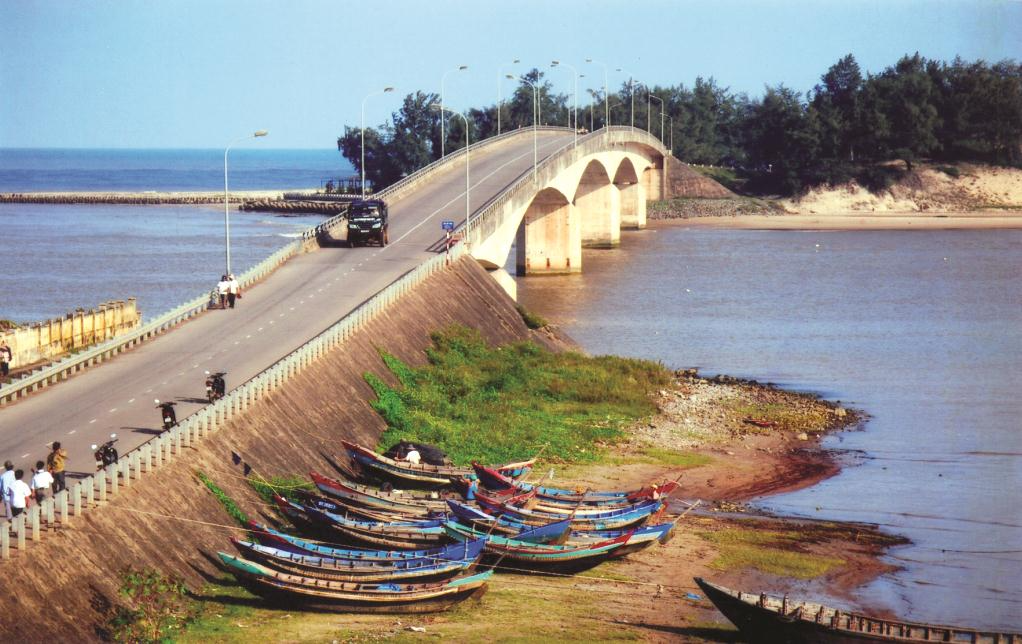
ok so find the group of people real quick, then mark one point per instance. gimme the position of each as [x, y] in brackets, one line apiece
[6, 356]
[48, 477]
[229, 290]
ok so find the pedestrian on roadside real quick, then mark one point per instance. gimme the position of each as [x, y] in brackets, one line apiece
[6, 356]
[233, 289]
[222, 288]
[19, 495]
[41, 481]
[55, 464]
[6, 481]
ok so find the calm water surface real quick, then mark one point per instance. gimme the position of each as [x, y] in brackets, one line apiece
[922, 330]
[59, 258]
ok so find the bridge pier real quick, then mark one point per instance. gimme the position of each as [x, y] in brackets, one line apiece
[599, 206]
[631, 196]
[549, 238]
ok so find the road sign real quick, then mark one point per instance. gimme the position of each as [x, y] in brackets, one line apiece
[447, 224]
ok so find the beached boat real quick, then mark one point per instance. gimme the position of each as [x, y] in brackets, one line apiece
[388, 534]
[616, 519]
[422, 474]
[387, 597]
[407, 502]
[498, 484]
[358, 571]
[282, 540]
[537, 556]
[762, 618]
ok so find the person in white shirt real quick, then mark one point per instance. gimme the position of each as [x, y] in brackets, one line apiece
[222, 288]
[233, 290]
[19, 494]
[6, 481]
[413, 456]
[41, 482]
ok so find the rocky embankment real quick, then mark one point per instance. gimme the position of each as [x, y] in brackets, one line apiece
[290, 207]
[734, 206]
[260, 201]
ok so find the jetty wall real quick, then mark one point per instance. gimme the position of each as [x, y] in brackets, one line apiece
[61, 588]
[43, 341]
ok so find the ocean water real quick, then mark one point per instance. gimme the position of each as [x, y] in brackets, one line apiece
[59, 258]
[126, 170]
[921, 330]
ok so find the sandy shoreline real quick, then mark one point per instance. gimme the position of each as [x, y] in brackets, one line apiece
[976, 220]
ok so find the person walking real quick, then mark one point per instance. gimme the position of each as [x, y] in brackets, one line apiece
[233, 289]
[41, 481]
[55, 464]
[6, 356]
[6, 481]
[19, 495]
[222, 288]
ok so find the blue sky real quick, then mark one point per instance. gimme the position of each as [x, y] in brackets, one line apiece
[197, 74]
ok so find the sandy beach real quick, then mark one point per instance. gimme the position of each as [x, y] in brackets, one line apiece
[977, 220]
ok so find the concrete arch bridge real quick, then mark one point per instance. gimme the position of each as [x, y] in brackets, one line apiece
[581, 196]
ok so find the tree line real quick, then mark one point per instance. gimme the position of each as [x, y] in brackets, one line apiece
[785, 142]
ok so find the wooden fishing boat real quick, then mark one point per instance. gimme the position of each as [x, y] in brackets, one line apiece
[396, 534]
[537, 556]
[617, 519]
[762, 618]
[405, 502]
[282, 540]
[498, 484]
[355, 571]
[351, 509]
[553, 532]
[421, 474]
[388, 597]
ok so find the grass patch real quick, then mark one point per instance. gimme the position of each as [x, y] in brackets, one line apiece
[285, 486]
[498, 404]
[225, 500]
[532, 320]
[949, 170]
[671, 458]
[766, 550]
[727, 177]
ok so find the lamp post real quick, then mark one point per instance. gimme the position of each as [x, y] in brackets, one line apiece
[574, 94]
[500, 78]
[441, 109]
[443, 137]
[672, 133]
[606, 96]
[227, 212]
[661, 101]
[535, 124]
[592, 108]
[368, 96]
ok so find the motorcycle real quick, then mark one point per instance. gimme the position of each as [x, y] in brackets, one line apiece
[105, 454]
[215, 385]
[168, 415]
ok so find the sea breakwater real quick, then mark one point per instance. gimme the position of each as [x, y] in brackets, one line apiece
[248, 201]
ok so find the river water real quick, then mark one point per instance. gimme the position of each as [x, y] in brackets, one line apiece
[920, 329]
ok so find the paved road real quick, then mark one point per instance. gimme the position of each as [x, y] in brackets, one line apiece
[302, 298]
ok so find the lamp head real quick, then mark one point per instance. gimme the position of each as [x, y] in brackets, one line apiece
[589, 60]
[462, 67]
[515, 61]
[435, 107]
[259, 133]
[555, 63]
[510, 76]
[388, 89]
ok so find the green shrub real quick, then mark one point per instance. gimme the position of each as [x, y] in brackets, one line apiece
[532, 320]
[950, 170]
[155, 605]
[229, 505]
[499, 404]
[285, 486]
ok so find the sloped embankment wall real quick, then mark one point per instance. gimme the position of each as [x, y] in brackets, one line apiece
[58, 589]
[683, 181]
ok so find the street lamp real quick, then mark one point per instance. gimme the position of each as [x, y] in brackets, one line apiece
[574, 94]
[672, 133]
[535, 124]
[661, 101]
[592, 108]
[377, 93]
[443, 78]
[631, 91]
[227, 213]
[606, 99]
[500, 78]
[441, 109]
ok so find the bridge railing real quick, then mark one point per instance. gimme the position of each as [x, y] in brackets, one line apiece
[62, 509]
[70, 365]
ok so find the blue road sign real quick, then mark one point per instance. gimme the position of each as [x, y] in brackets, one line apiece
[447, 224]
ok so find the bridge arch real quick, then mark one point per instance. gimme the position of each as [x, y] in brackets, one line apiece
[631, 195]
[549, 236]
[596, 199]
